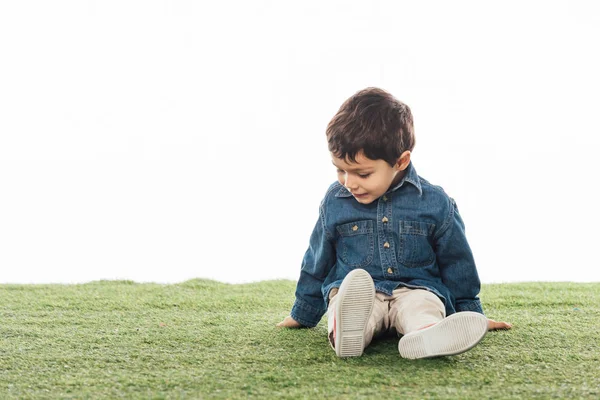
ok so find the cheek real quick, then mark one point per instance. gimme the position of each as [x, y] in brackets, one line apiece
[374, 185]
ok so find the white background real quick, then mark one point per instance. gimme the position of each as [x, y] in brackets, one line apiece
[169, 140]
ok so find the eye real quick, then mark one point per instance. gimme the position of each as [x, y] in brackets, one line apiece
[364, 176]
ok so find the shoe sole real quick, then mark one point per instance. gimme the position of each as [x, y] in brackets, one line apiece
[353, 309]
[453, 335]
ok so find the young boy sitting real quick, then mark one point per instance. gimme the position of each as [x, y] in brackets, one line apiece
[389, 250]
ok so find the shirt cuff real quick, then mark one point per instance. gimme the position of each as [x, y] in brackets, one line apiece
[306, 314]
[469, 305]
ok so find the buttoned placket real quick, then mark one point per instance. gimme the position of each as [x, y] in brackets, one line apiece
[386, 246]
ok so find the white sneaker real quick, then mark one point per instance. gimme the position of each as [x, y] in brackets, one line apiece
[353, 308]
[453, 335]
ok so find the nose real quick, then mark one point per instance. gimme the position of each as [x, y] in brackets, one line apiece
[350, 184]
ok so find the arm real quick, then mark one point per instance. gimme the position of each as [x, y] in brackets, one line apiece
[457, 266]
[456, 263]
[318, 260]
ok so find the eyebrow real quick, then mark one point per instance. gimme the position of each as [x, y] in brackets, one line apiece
[354, 169]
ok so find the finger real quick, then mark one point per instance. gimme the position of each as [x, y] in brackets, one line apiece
[504, 325]
[493, 325]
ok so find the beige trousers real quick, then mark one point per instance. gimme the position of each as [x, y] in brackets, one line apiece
[406, 310]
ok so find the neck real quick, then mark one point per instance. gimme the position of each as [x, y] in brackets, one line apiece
[397, 178]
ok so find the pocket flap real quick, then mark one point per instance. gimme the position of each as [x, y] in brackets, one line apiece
[416, 228]
[355, 228]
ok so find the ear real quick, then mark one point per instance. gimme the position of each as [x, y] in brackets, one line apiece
[403, 161]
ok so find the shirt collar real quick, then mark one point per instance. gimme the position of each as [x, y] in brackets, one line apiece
[410, 177]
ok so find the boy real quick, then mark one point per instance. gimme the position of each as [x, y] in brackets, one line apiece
[389, 250]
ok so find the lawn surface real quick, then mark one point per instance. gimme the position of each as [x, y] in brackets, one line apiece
[203, 339]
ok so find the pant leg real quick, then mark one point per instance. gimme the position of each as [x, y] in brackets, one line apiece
[413, 309]
[378, 321]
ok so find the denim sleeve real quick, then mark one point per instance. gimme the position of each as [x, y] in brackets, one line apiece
[456, 262]
[318, 260]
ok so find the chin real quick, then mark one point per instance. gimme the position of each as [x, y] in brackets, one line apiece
[366, 200]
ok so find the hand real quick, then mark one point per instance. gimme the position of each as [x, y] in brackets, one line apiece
[289, 322]
[493, 325]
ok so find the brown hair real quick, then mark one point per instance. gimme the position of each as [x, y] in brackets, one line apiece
[374, 121]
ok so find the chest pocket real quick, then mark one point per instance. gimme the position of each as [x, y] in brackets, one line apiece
[415, 247]
[356, 243]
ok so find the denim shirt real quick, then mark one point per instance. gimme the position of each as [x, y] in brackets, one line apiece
[412, 236]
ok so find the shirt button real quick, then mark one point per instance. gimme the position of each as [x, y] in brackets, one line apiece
[386, 245]
[355, 228]
[390, 271]
[384, 198]
[384, 220]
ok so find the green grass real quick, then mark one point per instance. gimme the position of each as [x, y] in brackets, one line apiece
[203, 339]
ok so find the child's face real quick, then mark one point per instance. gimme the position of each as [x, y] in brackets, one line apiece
[368, 179]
